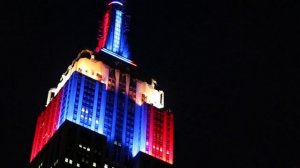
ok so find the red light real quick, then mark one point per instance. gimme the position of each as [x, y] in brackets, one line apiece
[46, 125]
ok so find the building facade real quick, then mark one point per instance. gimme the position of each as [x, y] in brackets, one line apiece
[104, 91]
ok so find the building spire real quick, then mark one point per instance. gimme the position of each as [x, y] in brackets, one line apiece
[113, 38]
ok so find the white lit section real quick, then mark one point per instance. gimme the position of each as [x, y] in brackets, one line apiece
[93, 69]
[118, 56]
[90, 67]
[117, 31]
[51, 94]
[147, 93]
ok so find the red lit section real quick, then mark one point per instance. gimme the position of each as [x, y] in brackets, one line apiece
[102, 40]
[160, 134]
[46, 125]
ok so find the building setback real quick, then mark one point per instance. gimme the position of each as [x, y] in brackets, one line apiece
[104, 94]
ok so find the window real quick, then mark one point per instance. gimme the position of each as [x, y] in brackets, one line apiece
[94, 164]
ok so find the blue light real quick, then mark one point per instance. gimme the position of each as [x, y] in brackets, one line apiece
[117, 31]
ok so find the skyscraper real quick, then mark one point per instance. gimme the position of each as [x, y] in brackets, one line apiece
[104, 92]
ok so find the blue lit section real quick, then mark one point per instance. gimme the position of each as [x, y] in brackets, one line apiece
[117, 31]
[82, 102]
[114, 39]
[89, 103]
[139, 139]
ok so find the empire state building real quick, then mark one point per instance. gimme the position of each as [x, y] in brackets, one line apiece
[104, 112]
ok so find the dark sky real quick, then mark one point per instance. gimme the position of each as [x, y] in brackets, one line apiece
[230, 71]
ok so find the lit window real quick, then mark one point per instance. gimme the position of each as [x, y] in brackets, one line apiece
[82, 109]
[88, 149]
[78, 165]
[84, 147]
[94, 164]
[80, 146]
[105, 166]
[70, 161]
[97, 121]
[66, 160]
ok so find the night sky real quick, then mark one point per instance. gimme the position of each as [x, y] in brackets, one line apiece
[230, 72]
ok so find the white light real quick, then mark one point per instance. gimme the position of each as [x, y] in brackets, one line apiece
[94, 164]
[118, 56]
[105, 166]
[66, 160]
[70, 161]
[78, 165]
[115, 2]
[80, 146]
[88, 149]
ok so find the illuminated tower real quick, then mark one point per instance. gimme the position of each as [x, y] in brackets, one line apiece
[104, 91]
[113, 39]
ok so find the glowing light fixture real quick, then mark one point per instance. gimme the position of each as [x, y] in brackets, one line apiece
[116, 2]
